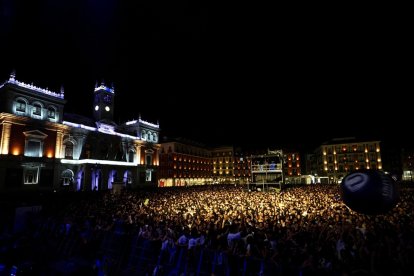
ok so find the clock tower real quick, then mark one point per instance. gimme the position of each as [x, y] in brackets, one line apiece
[103, 104]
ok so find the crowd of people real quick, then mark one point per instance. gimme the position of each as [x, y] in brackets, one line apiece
[301, 230]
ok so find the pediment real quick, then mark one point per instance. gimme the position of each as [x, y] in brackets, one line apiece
[35, 134]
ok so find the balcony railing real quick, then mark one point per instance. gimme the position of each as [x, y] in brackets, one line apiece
[267, 167]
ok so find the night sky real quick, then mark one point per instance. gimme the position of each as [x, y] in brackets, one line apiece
[246, 75]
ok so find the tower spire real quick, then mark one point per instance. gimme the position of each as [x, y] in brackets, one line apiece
[12, 75]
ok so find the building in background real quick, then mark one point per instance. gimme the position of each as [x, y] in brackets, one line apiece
[186, 163]
[292, 165]
[183, 163]
[31, 133]
[336, 158]
[43, 148]
[223, 164]
[395, 159]
[242, 166]
[407, 164]
[310, 164]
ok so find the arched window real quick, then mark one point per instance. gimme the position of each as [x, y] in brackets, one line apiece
[51, 112]
[112, 178]
[20, 105]
[37, 110]
[96, 177]
[150, 136]
[67, 177]
[144, 135]
[80, 179]
[155, 138]
[127, 177]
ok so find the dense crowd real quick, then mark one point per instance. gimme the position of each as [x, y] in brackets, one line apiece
[306, 229]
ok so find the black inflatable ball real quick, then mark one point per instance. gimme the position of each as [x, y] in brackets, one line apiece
[369, 192]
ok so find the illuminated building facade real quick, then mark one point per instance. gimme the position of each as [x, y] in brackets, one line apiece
[241, 166]
[43, 148]
[407, 165]
[223, 164]
[184, 163]
[292, 166]
[338, 157]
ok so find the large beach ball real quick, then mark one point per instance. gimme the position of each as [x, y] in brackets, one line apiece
[369, 192]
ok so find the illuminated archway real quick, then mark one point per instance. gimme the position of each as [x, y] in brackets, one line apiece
[127, 177]
[111, 178]
[96, 177]
[80, 180]
[67, 177]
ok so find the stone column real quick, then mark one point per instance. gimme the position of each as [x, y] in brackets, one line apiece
[155, 162]
[5, 138]
[59, 149]
[138, 155]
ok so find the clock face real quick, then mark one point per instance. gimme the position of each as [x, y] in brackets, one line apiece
[107, 98]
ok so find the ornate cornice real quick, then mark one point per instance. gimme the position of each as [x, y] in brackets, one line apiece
[21, 120]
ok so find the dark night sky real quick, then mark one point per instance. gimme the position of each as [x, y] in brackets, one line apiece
[283, 78]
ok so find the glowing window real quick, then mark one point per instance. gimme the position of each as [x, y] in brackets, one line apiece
[34, 143]
[33, 148]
